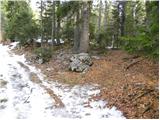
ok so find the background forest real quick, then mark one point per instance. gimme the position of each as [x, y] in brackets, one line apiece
[133, 26]
[68, 48]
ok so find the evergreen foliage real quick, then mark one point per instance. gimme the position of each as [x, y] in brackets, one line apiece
[20, 25]
[145, 37]
[132, 25]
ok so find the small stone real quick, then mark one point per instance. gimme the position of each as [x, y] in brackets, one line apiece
[96, 57]
[40, 61]
[87, 114]
[3, 100]
[2, 106]
[3, 83]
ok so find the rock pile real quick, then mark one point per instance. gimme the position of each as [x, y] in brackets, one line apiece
[80, 62]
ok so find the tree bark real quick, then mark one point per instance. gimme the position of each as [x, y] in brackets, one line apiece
[122, 19]
[105, 15]
[41, 15]
[77, 34]
[100, 16]
[84, 43]
[0, 24]
[58, 24]
[53, 23]
[99, 21]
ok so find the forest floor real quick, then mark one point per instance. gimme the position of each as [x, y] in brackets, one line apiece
[128, 82]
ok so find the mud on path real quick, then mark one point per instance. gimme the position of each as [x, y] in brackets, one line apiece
[26, 93]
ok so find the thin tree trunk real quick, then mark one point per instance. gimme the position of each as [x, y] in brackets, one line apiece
[123, 18]
[100, 16]
[1, 29]
[77, 34]
[119, 26]
[84, 43]
[105, 15]
[53, 23]
[58, 24]
[99, 21]
[41, 23]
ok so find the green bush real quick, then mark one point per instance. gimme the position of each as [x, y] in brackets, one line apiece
[43, 53]
[145, 39]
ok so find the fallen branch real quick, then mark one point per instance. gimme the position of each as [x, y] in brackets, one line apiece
[146, 109]
[133, 63]
[26, 101]
[132, 57]
[144, 93]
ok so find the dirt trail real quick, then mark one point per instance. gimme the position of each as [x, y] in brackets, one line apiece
[34, 78]
[129, 82]
[28, 94]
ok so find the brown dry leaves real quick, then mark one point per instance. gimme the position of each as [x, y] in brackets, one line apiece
[133, 91]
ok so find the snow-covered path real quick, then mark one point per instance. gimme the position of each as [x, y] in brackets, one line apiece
[21, 98]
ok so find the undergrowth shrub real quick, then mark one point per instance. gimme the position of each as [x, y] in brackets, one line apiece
[43, 53]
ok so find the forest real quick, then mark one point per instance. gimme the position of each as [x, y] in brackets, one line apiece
[68, 50]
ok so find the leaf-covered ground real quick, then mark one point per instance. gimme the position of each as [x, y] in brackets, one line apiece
[26, 93]
[128, 82]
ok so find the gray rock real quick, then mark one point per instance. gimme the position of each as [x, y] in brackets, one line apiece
[96, 57]
[34, 57]
[40, 61]
[75, 64]
[3, 100]
[80, 62]
[3, 83]
[2, 107]
[82, 67]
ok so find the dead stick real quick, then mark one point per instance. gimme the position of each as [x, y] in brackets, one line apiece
[133, 63]
[144, 93]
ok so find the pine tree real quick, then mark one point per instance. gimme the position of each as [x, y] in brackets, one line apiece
[19, 21]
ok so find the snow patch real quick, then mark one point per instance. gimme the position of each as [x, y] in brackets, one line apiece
[28, 100]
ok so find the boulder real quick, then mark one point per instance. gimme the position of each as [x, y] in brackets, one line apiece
[80, 62]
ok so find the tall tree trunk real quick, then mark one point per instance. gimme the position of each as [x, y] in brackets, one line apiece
[53, 23]
[99, 22]
[105, 15]
[58, 24]
[84, 43]
[41, 15]
[100, 15]
[122, 20]
[122, 17]
[119, 26]
[1, 31]
[77, 34]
